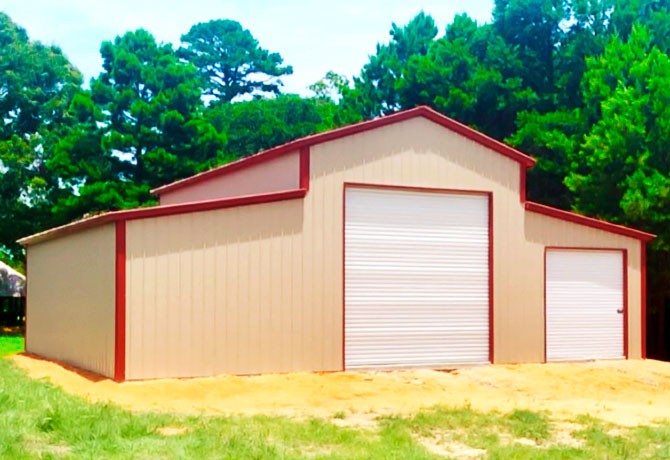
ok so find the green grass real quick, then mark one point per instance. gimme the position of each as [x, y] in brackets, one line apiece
[10, 345]
[38, 420]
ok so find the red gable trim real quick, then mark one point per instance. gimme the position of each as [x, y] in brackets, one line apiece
[157, 211]
[588, 221]
[298, 144]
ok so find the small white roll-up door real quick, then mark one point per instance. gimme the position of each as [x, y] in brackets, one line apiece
[416, 278]
[584, 304]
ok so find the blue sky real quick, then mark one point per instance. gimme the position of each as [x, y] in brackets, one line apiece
[314, 37]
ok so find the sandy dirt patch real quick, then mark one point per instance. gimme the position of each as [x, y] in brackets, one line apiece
[622, 392]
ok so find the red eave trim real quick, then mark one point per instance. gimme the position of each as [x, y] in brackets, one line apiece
[157, 211]
[643, 298]
[120, 303]
[298, 144]
[588, 221]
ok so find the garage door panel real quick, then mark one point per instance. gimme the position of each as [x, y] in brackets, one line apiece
[584, 304]
[416, 278]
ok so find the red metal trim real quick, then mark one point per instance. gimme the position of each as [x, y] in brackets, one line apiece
[25, 326]
[120, 304]
[625, 288]
[344, 284]
[304, 167]
[491, 284]
[522, 183]
[643, 299]
[421, 111]
[167, 210]
[425, 190]
[545, 302]
[588, 221]
[411, 188]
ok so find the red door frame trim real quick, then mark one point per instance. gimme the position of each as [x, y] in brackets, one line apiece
[120, 304]
[424, 190]
[643, 299]
[625, 288]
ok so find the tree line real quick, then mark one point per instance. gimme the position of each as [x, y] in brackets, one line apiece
[582, 85]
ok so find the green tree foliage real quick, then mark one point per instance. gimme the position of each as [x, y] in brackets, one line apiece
[154, 128]
[231, 60]
[259, 124]
[375, 90]
[37, 85]
[621, 170]
[470, 74]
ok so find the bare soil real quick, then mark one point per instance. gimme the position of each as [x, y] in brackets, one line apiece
[622, 392]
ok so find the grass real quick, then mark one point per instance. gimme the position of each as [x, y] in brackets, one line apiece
[38, 420]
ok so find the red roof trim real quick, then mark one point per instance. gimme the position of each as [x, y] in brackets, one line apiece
[421, 111]
[157, 211]
[588, 221]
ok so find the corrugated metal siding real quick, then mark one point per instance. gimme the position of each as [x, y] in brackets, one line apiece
[584, 304]
[416, 278]
[276, 175]
[71, 299]
[225, 291]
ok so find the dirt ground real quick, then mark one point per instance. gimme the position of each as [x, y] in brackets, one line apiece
[622, 392]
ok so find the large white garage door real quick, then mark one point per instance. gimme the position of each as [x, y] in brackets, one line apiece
[585, 306]
[416, 278]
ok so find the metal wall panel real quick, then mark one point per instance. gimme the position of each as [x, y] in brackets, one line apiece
[416, 278]
[71, 283]
[276, 175]
[585, 304]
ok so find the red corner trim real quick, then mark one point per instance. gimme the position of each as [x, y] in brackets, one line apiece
[522, 182]
[588, 221]
[298, 144]
[120, 304]
[157, 211]
[304, 168]
[643, 299]
[25, 288]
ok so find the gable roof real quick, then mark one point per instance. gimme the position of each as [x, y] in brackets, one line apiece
[420, 111]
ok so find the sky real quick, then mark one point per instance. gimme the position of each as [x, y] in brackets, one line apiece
[314, 37]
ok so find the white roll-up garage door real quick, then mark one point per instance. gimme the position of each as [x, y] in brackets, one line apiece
[416, 278]
[584, 304]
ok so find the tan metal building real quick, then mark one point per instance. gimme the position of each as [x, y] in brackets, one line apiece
[405, 241]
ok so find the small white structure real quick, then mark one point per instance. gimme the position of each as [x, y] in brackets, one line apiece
[12, 283]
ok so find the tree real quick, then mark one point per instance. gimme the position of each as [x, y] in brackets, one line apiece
[621, 170]
[470, 74]
[375, 90]
[534, 28]
[231, 60]
[259, 124]
[152, 113]
[37, 85]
